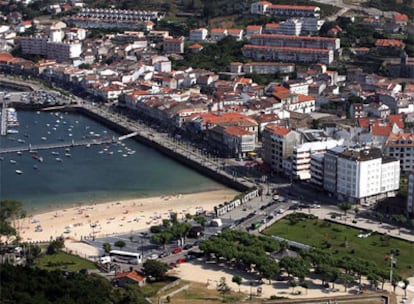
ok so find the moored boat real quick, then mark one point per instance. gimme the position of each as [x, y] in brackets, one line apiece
[19, 172]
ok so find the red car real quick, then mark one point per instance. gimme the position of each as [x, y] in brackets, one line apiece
[176, 250]
[180, 261]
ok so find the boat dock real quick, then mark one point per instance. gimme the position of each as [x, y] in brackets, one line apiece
[3, 128]
[72, 143]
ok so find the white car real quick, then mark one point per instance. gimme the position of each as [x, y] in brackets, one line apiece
[153, 256]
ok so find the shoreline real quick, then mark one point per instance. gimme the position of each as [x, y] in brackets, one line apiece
[116, 217]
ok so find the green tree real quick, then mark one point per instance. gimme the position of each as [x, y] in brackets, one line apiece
[10, 211]
[399, 219]
[201, 220]
[155, 268]
[237, 279]
[55, 246]
[32, 253]
[162, 238]
[345, 207]
[406, 283]
[120, 244]
[107, 247]
[222, 287]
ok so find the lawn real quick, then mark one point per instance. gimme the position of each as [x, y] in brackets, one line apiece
[342, 240]
[63, 261]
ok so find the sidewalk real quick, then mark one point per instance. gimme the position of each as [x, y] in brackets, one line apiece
[363, 223]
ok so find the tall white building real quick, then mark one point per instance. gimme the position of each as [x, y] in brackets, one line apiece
[365, 175]
[301, 158]
[290, 27]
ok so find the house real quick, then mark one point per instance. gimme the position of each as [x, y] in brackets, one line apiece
[196, 48]
[126, 278]
[236, 33]
[217, 34]
[400, 19]
[174, 45]
[253, 29]
[387, 43]
[199, 34]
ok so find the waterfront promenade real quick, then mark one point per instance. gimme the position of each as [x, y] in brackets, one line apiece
[167, 144]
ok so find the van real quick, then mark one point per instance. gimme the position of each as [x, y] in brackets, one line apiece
[105, 260]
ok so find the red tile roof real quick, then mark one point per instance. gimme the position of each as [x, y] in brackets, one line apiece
[195, 46]
[381, 129]
[389, 43]
[397, 119]
[400, 17]
[236, 131]
[294, 7]
[294, 49]
[281, 131]
[133, 275]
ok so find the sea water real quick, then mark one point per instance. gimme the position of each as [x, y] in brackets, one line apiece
[85, 175]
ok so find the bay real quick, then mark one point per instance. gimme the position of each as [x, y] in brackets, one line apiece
[86, 175]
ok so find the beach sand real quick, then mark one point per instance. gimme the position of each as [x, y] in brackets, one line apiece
[117, 217]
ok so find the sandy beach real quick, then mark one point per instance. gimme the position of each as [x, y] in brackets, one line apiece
[117, 216]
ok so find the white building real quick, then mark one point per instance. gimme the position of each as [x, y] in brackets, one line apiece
[288, 54]
[313, 42]
[290, 27]
[364, 175]
[283, 10]
[301, 157]
[199, 34]
[40, 45]
[410, 196]
[401, 146]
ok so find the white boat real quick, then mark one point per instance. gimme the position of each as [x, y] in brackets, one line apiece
[55, 153]
[22, 141]
[44, 138]
[19, 172]
[19, 153]
[12, 161]
[58, 159]
[12, 131]
[68, 155]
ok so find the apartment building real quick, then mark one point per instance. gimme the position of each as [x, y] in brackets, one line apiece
[288, 54]
[119, 14]
[292, 41]
[282, 10]
[401, 146]
[239, 141]
[317, 169]
[262, 67]
[301, 156]
[362, 174]
[174, 46]
[199, 34]
[292, 27]
[410, 196]
[278, 144]
[253, 29]
[41, 45]
[217, 34]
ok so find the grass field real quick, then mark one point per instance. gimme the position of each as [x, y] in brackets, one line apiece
[342, 240]
[63, 261]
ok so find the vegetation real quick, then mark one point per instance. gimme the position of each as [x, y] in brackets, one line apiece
[343, 243]
[170, 229]
[10, 212]
[33, 285]
[63, 261]
[215, 57]
[155, 269]
[404, 6]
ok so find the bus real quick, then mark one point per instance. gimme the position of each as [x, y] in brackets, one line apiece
[255, 225]
[125, 257]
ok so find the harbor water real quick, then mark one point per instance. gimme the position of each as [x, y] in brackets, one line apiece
[56, 178]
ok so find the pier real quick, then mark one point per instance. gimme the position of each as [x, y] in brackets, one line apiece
[3, 127]
[73, 143]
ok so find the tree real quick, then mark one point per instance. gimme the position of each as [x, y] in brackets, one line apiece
[162, 238]
[222, 287]
[107, 247]
[305, 285]
[131, 238]
[120, 244]
[155, 269]
[399, 219]
[201, 220]
[406, 283]
[55, 246]
[238, 280]
[10, 210]
[32, 253]
[344, 207]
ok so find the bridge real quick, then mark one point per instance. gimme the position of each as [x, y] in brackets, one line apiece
[73, 143]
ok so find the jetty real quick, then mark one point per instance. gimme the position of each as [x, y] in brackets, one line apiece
[73, 143]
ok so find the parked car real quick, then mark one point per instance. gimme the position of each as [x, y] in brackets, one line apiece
[180, 261]
[188, 246]
[153, 256]
[172, 265]
[164, 254]
[176, 250]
